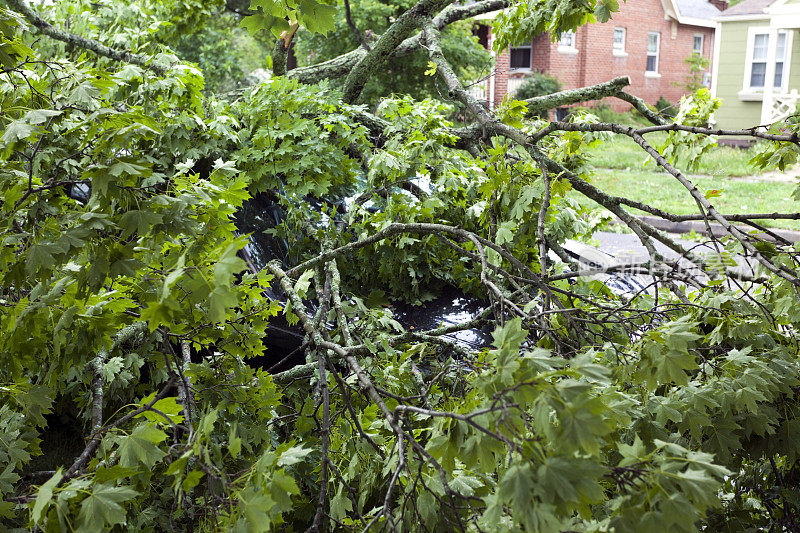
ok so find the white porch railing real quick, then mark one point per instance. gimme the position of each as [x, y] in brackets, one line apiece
[514, 83]
[779, 106]
[478, 91]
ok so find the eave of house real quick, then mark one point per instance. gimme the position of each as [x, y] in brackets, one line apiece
[784, 14]
[734, 18]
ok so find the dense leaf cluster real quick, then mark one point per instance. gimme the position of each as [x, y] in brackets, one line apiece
[134, 328]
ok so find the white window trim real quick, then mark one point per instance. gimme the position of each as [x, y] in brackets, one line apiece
[568, 49]
[702, 43]
[529, 46]
[616, 52]
[653, 73]
[754, 94]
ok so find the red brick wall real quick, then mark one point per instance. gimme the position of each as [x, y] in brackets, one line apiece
[541, 53]
[595, 62]
[502, 62]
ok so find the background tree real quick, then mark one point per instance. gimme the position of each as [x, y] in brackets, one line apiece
[130, 313]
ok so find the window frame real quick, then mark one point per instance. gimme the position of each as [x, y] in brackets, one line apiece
[529, 47]
[619, 52]
[702, 43]
[653, 73]
[568, 48]
[756, 91]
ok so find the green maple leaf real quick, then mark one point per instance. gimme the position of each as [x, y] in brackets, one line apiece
[138, 221]
[39, 256]
[102, 508]
[255, 505]
[228, 265]
[141, 446]
[45, 495]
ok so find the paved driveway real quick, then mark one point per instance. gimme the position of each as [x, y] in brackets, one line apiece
[627, 249]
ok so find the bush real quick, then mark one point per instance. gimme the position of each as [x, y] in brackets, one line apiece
[665, 108]
[606, 114]
[538, 84]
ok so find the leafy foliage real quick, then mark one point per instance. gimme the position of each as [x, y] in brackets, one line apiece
[128, 312]
[525, 20]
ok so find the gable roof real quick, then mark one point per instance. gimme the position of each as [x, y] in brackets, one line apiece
[692, 12]
[747, 7]
[699, 9]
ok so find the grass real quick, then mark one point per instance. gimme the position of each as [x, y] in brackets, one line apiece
[622, 168]
[621, 152]
[661, 190]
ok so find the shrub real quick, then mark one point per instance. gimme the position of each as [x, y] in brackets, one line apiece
[666, 108]
[605, 113]
[538, 84]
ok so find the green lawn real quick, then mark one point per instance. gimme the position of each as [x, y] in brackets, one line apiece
[738, 196]
[622, 153]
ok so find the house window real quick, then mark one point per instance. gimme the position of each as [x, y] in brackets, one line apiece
[619, 40]
[567, 40]
[653, 43]
[758, 67]
[521, 57]
[758, 46]
[780, 57]
[697, 47]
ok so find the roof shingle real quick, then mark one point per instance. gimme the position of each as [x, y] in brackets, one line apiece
[748, 7]
[699, 9]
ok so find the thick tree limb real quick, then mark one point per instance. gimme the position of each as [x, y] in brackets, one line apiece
[335, 68]
[185, 395]
[318, 524]
[22, 7]
[540, 237]
[280, 52]
[538, 104]
[341, 66]
[450, 14]
[386, 45]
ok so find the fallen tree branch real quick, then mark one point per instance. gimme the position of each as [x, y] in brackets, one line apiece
[386, 45]
[537, 104]
[364, 381]
[341, 66]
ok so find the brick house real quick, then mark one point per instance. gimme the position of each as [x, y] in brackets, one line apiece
[648, 40]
